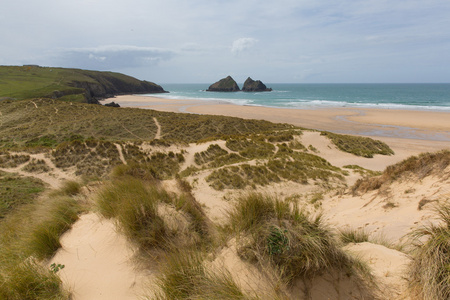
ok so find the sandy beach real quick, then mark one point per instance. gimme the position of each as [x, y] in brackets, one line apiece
[405, 130]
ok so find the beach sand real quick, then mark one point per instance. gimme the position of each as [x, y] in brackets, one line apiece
[406, 131]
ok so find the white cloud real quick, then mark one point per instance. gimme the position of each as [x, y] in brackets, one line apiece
[242, 44]
[111, 57]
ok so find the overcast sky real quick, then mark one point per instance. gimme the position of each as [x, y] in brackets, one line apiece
[201, 41]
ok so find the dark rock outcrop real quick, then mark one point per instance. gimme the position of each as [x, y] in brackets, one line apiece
[101, 85]
[112, 104]
[224, 85]
[251, 85]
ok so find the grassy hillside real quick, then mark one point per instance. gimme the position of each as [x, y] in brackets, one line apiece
[67, 84]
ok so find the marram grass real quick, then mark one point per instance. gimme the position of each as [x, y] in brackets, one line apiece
[429, 272]
[295, 244]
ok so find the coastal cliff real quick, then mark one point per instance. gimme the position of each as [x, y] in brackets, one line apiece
[224, 85]
[251, 85]
[31, 81]
[108, 84]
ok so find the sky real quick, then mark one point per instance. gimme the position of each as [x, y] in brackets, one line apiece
[202, 41]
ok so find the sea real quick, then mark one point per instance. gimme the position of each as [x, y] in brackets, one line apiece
[417, 96]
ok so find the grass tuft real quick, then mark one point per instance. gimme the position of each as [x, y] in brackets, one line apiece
[134, 205]
[419, 166]
[294, 243]
[353, 236]
[429, 271]
[30, 280]
[185, 276]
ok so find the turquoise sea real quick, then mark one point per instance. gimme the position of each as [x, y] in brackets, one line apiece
[310, 96]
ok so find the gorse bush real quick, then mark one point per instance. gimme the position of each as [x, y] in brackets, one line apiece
[429, 272]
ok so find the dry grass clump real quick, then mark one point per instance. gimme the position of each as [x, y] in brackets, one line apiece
[30, 280]
[292, 242]
[359, 146]
[213, 152]
[140, 209]
[429, 272]
[36, 166]
[91, 158]
[250, 148]
[287, 164]
[186, 276]
[419, 167]
[11, 161]
[135, 207]
[238, 177]
[353, 236]
[61, 213]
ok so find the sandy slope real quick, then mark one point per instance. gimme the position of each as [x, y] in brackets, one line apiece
[98, 262]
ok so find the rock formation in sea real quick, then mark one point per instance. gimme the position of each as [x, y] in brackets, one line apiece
[251, 85]
[224, 85]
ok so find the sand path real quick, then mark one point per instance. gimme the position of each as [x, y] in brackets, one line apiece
[98, 262]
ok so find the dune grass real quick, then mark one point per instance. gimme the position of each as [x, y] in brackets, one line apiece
[185, 276]
[30, 280]
[29, 234]
[353, 236]
[429, 272]
[134, 206]
[295, 244]
[357, 145]
[17, 190]
[285, 165]
[420, 166]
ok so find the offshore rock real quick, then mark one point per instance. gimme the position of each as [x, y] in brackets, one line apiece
[224, 85]
[251, 85]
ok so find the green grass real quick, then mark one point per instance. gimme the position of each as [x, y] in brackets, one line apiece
[359, 146]
[17, 190]
[429, 272]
